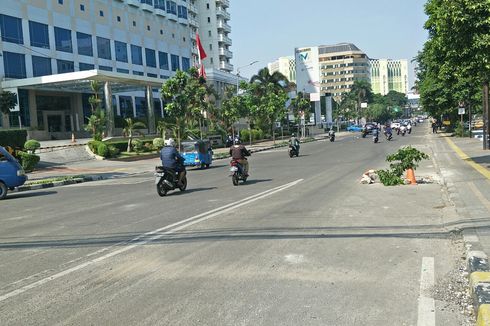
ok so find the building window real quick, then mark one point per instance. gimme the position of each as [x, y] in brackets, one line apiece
[60, 2]
[104, 48]
[138, 73]
[84, 44]
[152, 75]
[163, 60]
[119, 18]
[151, 60]
[136, 55]
[134, 23]
[14, 65]
[85, 66]
[210, 34]
[161, 32]
[101, 13]
[141, 108]
[38, 34]
[207, 5]
[183, 39]
[182, 12]
[148, 27]
[209, 19]
[121, 51]
[171, 7]
[82, 7]
[105, 68]
[148, 2]
[211, 47]
[174, 60]
[186, 64]
[159, 4]
[63, 39]
[65, 66]
[11, 28]
[41, 66]
[122, 71]
[126, 106]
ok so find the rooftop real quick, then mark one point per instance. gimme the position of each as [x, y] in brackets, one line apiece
[341, 47]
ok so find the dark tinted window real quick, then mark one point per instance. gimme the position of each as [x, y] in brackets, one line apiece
[151, 60]
[121, 51]
[136, 55]
[63, 39]
[84, 43]
[41, 66]
[65, 66]
[103, 48]
[39, 34]
[11, 28]
[14, 65]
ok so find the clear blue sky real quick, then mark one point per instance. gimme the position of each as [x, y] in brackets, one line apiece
[267, 29]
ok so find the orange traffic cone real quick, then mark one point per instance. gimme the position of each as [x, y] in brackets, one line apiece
[411, 177]
[73, 140]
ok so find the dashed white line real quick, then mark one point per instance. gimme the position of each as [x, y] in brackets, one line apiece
[426, 311]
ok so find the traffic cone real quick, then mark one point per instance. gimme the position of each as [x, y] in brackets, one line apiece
[73, 140]
[411, 177]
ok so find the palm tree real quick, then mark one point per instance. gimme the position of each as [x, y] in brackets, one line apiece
[132, 127]
[264, 77]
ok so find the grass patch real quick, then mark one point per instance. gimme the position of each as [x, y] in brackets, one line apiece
[55, 179]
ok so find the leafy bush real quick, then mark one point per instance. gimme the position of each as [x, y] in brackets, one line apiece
[92, 145]
[13, 138]
[461, 131]
[138, 145]
[102, 149]
[28, 161]
[158, 143]
[389, 178]
[113, 151]
[148, 147]
[122, 145]
[31, 145]
[257, 134]
[408, 158]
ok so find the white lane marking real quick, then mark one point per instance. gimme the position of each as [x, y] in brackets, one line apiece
[294, 259]
[170, 229]
[426, 311]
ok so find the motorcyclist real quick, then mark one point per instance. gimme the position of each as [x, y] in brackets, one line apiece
[388, 131]
[239, 153]
[409, 127]
[294, 142]
[171, 159]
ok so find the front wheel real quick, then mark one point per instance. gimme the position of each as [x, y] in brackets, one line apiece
[184, 184]
[3, 190]
[162, 192]
[234, 179]
[207, 166]
[291, 154]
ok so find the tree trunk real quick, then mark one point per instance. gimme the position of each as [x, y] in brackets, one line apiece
[129, 143]
[486, 127]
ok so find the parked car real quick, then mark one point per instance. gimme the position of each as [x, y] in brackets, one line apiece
[354, 128]
[368, 127]
[12, 174]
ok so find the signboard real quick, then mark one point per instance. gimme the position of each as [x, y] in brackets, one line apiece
[461, 111]
[314, 97]
[307, 70]
[364, 105]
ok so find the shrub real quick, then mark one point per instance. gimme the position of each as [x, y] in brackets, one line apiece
[158, 143]
[102, 149]
[137, 145]
[113, 151]
[31, 145]
[408, 157]
[13, 138]
[148, 147]
[28, 161]
[257, 134]
[389, 178]
[92, 145]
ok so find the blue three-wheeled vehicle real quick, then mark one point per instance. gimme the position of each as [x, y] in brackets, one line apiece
[197, 153]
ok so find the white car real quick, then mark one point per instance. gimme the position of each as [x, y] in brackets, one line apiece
[395, 125]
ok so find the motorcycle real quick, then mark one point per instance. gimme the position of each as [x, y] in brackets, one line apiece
[293, 151]
[375, 136]
[388, 135]
[166, 180]
[403, 130]
[332, 136]
[237, 172]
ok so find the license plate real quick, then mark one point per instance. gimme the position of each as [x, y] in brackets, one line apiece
[233, 169]
[159, 174]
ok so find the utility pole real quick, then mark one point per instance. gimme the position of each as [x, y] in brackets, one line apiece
[486, 126]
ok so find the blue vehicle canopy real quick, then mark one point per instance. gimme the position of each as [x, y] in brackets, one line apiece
[197, 153]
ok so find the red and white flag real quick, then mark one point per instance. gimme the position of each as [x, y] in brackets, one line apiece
[202, 55]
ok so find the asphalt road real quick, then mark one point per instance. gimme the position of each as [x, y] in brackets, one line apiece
[301, 243]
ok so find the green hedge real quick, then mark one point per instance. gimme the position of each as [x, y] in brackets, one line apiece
[103, 149]
[32, 145]
[13, 138]
[28, 161]
[257, 134]
[122, 145]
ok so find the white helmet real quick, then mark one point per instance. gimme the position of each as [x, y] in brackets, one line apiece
[170, 142]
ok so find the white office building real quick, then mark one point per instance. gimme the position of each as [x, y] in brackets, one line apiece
[389, 75]
[284, 65]
[52, 49]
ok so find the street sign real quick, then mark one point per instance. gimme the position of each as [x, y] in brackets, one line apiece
[461, 111]
[364, 105]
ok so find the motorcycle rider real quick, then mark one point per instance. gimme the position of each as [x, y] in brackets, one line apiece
[388, 131]
[239, 153]
[294, 142]
[409, 127]
[171, 159]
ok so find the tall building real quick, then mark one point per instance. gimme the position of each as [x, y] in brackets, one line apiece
[286, 66]
[214, 32]
[389, 75]
[330, 69]
[50, 50]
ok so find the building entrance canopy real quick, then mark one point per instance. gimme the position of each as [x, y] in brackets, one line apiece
[79, 82]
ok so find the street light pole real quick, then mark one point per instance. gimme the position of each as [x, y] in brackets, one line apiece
[237, 91]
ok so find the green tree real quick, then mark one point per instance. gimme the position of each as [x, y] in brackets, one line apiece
[97, 121]
[264, 77]
[8, 101]
[130, 129]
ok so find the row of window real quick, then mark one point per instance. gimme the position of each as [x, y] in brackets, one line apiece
[15, 66]
[342, 65]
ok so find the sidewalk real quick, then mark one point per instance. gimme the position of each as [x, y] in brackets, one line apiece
[113, 169]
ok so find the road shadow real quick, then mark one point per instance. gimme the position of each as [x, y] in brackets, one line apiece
[191, 190]
[19, 195]
[481, 159]
[254, 181]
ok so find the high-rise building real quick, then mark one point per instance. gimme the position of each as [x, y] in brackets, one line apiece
[286, 66]
[389, 75]
[50, 50]
[330, 69]
[214, 32]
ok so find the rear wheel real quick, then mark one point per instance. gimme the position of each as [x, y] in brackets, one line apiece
[207, 166]
[161, 190]
[3, 190]
[234, 179]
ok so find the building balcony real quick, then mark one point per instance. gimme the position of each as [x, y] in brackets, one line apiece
[193, 8]
[223, 3]
[160, 12]
[194, 50]
[226, 53]
[223, 14]
[134, 3]
[183, 21]
[224, 26]
[223, 65]
[224, 39]
[147, 7]
[172, 17]
[193, 22]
